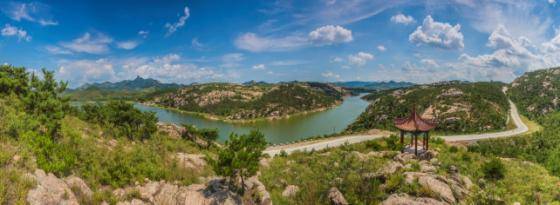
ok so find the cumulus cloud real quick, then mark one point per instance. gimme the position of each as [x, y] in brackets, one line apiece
[167, 68]
[326, 35]
[402, 19]
[360, 59]
[259, 67]
[128, 45]
[172, 27]
[330, 34]
[10, 30]
[89, 43]
[438, 34]
[381, 48]
[32, 12]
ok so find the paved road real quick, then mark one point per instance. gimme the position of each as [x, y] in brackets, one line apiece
[338, 141]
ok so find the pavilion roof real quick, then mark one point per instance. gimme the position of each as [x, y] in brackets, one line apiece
[414, 123]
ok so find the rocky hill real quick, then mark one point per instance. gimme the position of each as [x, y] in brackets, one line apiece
[457, 107]
[252, 101]
[537, 93]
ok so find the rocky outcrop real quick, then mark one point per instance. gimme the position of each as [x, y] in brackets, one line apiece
[290, 191]
[405, 199]
[446, 189]
[190, 161]
[51, 190]
[336, 197]
[216, 191]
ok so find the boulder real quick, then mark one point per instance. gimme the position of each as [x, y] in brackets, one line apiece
[79, 186]
[258, 187]
[438, 187]
[404, 158]
[290, 191]
[50, 190]
[336, 198]
[405, 199]
[191, 161]
[427, 167]
[172, 130]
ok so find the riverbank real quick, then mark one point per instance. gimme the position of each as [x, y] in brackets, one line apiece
[242, 121]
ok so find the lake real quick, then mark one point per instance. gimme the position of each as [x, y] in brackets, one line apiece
[276, 131]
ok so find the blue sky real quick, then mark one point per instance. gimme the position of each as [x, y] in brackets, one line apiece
[322, 40]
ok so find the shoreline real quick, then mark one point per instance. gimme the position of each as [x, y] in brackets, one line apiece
[242, 121]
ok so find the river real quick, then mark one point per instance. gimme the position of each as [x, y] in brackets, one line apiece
[276, 131]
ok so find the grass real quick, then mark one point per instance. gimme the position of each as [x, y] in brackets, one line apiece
[532, 125]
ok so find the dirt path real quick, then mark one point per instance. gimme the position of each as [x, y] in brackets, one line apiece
[351, 139]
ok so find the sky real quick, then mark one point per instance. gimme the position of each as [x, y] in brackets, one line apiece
[281, 40]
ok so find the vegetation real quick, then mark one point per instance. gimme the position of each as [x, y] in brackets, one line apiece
[458, 107]
[240, 157]
[121, 117]
[536, 93]
[252, 101]
[137, 89]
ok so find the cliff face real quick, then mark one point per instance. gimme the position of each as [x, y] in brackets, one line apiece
[457, 107]
[252, 101]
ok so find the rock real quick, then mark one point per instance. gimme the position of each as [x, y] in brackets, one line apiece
[405, 199]
[254, 184]
[166, 194]
[390, 168]
[336, 198]
[438, 187]
[264, 162]
[50, 190]
[172, 130]
[427, 167]
[148, 191]
[290, 191]
[453, 169]
[191, 161]
[78, 185]
[428, 155]
[404, 157]
[378, 154]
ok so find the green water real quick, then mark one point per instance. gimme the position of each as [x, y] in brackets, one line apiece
[276, 131]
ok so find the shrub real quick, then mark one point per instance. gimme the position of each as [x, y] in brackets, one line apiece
[494, 169]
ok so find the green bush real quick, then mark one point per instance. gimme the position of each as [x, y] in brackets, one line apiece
[494, 169]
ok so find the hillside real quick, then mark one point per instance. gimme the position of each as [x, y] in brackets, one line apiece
[537, 93]
[457, 107]
[252, 101]
[374, 85]
[128, 90]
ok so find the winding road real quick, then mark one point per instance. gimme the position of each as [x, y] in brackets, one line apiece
[351, 139]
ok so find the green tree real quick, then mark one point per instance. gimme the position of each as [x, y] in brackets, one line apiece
[494, 169]
[240, 157]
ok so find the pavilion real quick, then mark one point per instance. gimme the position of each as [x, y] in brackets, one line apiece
[415, 125]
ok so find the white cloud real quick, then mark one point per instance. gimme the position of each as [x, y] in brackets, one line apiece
[330, 74]
[89, 43]
[86, 71]
[259, 67]
[128, 45]
[438, 34]
[196, 44]
[321, 36]
[167, 68]
[402, 19]
[143, 33]
[232, 60]
[360, 59]
[171, 28]
[10, 30]
[330, 34]
[57, 50]
[381, 48]
[31, 12]
[254, 43]
[429, 62]
[553, 2]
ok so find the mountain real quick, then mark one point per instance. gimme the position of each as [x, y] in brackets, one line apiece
[138, 83]
[457, 107]
[252, 101]
[374, 85]
[537, 93]
[136, 89]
